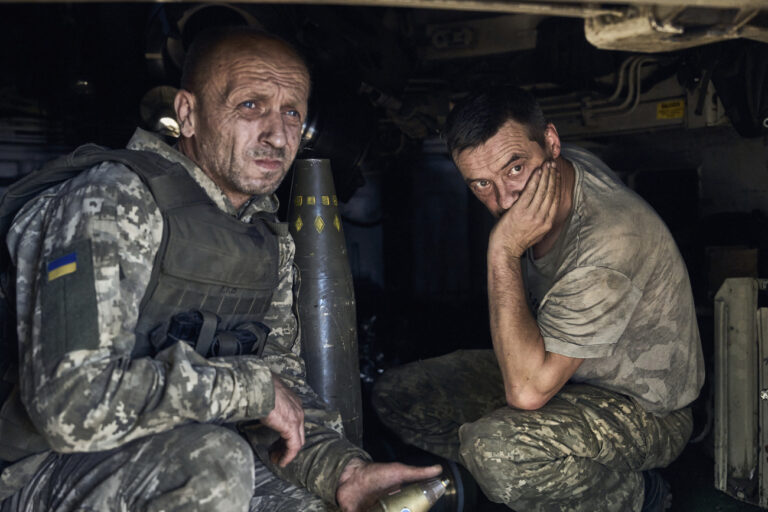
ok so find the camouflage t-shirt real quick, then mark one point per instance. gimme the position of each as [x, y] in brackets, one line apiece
[614, 291]
[91, 395]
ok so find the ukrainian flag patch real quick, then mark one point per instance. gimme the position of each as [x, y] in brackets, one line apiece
[63, 266]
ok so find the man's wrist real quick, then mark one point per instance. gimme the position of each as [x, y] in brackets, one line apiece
[253, 380]
[352, 466]
[504, 257]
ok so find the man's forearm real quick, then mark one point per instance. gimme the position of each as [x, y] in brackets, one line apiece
[532, 375]
[517, 341]
[103, 403]
[325, 452]
[321, 460]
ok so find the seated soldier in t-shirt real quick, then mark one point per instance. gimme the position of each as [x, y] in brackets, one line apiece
[596, 351]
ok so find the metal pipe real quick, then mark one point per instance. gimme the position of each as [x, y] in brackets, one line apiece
[629, 103]
[619, 85]
[743, 17]
[633, 96]
[586, 104]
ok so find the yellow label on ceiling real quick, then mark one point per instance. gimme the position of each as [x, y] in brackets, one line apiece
[299, 223]
[670, 109]
[310, 200]
[325, 200]
[335, 201]
[337, 222]
[297, 200]
[319, 224]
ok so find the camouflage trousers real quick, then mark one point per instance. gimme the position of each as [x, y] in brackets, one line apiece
[196, 467]
[583, 451]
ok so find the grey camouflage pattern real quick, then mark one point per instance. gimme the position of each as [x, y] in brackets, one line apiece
[196, 467]
[583, 451]
[192, 468]
[96, 398]
[277, 495]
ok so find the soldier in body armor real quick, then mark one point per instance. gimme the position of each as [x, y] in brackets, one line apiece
[106, 413]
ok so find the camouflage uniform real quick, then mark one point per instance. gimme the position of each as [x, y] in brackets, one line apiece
[614, 292]
[162, 432]
[580, 452]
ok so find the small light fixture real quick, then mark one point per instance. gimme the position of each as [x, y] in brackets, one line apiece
[168, 125]
[156, 111]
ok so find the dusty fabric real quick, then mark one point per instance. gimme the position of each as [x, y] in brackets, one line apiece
[195, 467]
[93, 397]
[582, 451]
[615, 291]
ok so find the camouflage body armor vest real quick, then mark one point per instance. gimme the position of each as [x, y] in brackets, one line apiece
[212, 265]
[212, 279]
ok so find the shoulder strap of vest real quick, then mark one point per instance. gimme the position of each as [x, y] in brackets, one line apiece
[273, 223]
[164, 178]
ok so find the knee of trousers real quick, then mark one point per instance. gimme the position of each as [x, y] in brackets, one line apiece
[389, 398]
[217, 456]
[497, 462]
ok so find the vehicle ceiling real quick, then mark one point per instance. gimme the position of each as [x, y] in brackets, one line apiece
[86, 71]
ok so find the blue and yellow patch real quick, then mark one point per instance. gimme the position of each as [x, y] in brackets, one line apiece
[63, 266]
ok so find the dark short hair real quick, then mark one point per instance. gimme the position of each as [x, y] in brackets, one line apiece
[203, 50]
[478, 117]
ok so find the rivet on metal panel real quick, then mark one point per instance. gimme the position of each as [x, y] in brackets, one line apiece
[764, 394]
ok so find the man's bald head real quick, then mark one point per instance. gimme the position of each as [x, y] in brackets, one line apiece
[214, 44]
[241, 108]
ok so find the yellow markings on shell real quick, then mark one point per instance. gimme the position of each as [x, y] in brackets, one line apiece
[319, 224]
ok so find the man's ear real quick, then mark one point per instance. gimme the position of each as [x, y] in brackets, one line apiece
[185, 103]
[552, 140]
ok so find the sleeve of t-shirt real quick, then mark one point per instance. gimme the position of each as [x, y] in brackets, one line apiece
[586, 311]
